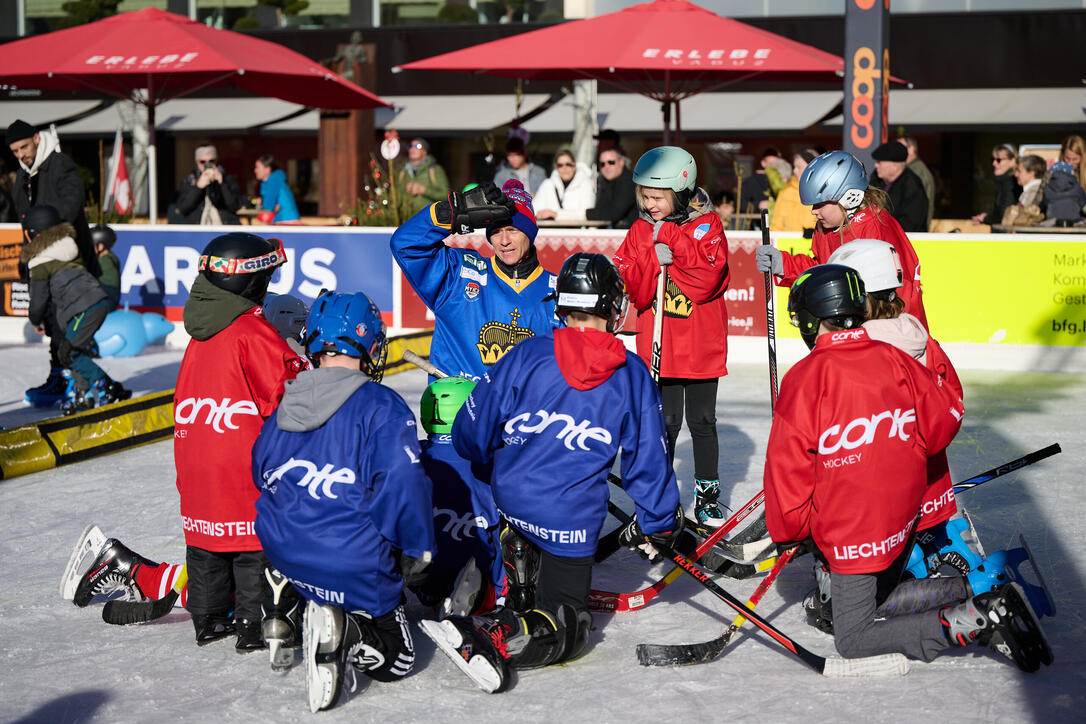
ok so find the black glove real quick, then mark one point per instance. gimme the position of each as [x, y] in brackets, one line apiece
[483, 206]
[801, 546]
[632, 537]
[413, 570]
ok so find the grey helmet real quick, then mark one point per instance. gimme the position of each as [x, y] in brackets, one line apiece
[835, 176]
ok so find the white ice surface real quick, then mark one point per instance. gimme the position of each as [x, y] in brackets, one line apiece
[59, 663]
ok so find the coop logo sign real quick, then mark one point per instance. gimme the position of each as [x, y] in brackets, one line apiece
[865, 73]
[862, 430]
[712, 56]
[140, 61]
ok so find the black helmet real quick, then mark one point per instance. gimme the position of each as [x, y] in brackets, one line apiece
[102, 234]
[832, 292]
[37, 219]
[591, 284]
[242, 263]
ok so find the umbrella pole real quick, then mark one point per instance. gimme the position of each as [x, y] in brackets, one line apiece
[667, 107]
[678, 125]
[152, 156]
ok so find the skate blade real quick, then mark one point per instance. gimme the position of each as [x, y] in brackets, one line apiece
[280, 655]
[884, 665]
[90, 543]
[449, 640]
[1040, 652]
[1049, 605]
[319, 682]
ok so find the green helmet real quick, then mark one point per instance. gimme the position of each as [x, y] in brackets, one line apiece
[666, 167]
[441, 401]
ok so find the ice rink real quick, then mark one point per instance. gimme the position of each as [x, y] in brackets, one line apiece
[63, 664]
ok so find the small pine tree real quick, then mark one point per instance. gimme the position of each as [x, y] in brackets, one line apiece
[80, 12]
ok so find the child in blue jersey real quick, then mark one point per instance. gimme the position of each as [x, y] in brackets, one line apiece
[482, 306]
[466, 574]
[551, 417]
[345, 507]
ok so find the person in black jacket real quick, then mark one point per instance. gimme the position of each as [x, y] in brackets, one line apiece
[1004, 162]
[908, 202]
[615, 201]
[209, 195]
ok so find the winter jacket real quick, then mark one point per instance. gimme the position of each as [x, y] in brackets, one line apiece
[1064, 197]
[1007, 193]
[908, 334]
[431, 176]
[571, 200]
[225, 196]
[480, 311]
[695, 330]
[529, 175]
[927, 180]
[615, 201]
[342, 490]
[908, 202]
[869, 223]
[274, 192]
[846, 464]
[230, 381]
[55, 182]
[57, 276]
[789, 213]
[551, 416]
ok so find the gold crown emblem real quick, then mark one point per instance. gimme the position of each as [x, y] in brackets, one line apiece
[497, 338]
[676, 303]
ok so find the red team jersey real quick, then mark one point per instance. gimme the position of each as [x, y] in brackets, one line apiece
[939, 502]
[226, 387]
[866, 224]
[695, 332]
[853, 428]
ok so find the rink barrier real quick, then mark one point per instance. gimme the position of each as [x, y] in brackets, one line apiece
[417, 342]
[85, 435]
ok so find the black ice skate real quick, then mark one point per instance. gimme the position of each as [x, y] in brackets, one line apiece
[1002, 620]
[249, 634]
[282, 622]
[114, 569]
[476, 645]
[212, 627]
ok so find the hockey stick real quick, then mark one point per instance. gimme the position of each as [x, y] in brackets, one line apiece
[770, 321]
[1005, 468]
[706, 651]
[883, 665]
[703, 652]
[121, 613]
[423, 364]
[658, 317]
[633, 600]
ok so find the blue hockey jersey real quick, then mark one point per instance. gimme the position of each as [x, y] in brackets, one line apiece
[338, 499]
[480, 312]
[552, 445]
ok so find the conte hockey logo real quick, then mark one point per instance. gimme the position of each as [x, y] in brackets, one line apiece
[497, 338]
[861, 431]
[569, 433]
[315, 479]
[459, 527]
[218, 414]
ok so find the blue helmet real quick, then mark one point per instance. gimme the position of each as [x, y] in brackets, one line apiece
[835, 176]
[347, 324]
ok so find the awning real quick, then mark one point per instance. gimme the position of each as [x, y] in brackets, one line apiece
[42, 113]
[988, 107]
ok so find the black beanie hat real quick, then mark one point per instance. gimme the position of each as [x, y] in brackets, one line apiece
[19, 130]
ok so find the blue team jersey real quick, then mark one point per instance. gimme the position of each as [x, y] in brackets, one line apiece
[337, 501]
[480, 312]
[552, 447]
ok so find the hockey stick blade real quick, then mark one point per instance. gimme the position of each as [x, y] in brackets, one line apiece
[423, 364]
[122, 613]
[884, 665]
[1005, 468]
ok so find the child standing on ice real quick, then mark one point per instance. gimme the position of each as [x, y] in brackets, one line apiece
[679, 234]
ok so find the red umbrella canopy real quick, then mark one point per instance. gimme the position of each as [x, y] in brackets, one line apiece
[643, 45]
[171, 56]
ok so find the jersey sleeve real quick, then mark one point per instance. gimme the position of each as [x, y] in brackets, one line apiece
[419, 248]
[700, 254]
[789, 477]
[939, 409]
[477, 429]
[268, 363]
[647, 475]
[794, 265]
[636, 262]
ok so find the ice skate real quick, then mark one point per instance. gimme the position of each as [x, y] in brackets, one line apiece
[325, 653]
[706, 511]
[468, 642]
[212, 627]
[282, 622]
[109, 390]
[249, 636]
[56, 389]
[1002, 620]
[114, 569]
[465, 593]
[86, 550]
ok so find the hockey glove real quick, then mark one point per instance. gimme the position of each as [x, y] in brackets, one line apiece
[413, 570]
[632, 537]
[663, 254]
[483, 206]
[768, 259]
[802, 547]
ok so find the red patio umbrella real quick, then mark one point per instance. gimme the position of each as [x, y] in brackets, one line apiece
[667, 50]
[152, 56]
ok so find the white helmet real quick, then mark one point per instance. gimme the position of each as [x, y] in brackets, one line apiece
[876, 261]
[287, 314]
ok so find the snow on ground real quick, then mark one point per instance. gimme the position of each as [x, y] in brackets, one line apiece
[59, 663]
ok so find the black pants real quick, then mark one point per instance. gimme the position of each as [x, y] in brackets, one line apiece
[698, 397]
[563, 580]
[390, 635]
[221, 582]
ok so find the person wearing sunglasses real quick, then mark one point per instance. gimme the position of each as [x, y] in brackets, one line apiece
[568, 191]
[1004, 164]
[209, 195]
[616, 202]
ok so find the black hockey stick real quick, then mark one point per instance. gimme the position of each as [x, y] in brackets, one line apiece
[883, 665]
[121, 613]
[705, 651]
[770, 320]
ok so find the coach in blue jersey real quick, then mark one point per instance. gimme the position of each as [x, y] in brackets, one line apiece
[482, 306]
[551, 417]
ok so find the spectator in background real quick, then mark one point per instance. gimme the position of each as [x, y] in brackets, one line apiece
[908, 203]
[517, 165]
[1030, 175]
[789, 213]
[1072, 151]
[927, 180]
[570, 190]
[7, 206]
[1064, 197]
[1004, 165]
[275, 194]
[607, 138]
[615, 201]
[209, 195]
[421, 181]
[755, 193]
[724, 204]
